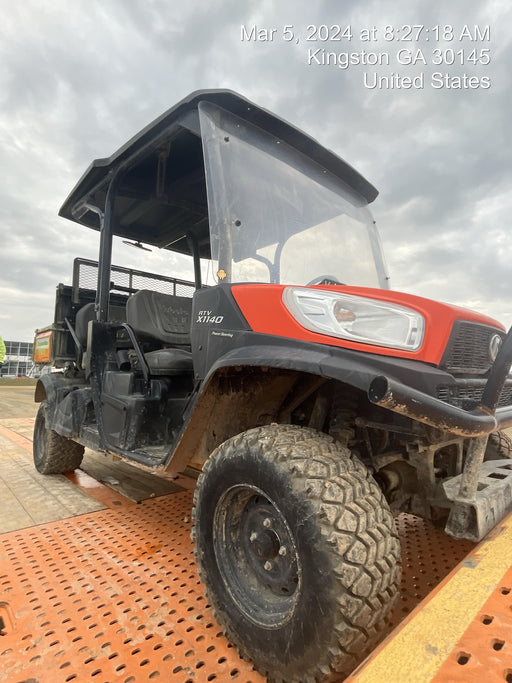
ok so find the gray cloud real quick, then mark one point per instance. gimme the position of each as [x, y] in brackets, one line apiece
[76, 80]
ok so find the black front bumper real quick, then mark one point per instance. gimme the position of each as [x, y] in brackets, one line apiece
[405, 400]
[482, 418]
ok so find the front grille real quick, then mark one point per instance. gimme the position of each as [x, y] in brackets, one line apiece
[468, 348]
[458, 395]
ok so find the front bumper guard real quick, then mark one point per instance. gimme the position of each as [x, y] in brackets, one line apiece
[473, 518]
[399, 398]
[477, 502]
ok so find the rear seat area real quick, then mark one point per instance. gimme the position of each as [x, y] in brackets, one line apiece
[154, 317]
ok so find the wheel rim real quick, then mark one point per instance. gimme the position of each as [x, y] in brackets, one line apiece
[257, 555]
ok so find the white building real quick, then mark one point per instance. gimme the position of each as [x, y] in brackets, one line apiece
[18, 359]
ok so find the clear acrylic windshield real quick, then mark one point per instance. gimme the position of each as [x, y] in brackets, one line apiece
[277, 216]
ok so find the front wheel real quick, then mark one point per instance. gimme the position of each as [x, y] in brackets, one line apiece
[53, 453]
[298, 551]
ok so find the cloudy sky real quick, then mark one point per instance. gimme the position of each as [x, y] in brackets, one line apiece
[78, 78]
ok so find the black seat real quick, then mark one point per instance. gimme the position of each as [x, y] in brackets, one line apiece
[87, 313]
[169, 362]
[166, 319]
[163, 317]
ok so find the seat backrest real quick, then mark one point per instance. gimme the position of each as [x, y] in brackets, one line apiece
[164, 317]
[116, 314]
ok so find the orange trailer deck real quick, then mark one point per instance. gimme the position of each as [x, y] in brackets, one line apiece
[113, 595]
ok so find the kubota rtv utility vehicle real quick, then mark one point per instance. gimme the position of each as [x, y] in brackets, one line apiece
[312, 401]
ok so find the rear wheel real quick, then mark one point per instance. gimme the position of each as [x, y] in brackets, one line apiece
[298, 551]
[53, 453]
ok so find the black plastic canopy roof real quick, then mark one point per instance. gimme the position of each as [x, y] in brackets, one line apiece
[160, 191]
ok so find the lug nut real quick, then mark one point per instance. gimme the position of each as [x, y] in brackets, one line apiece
[267, 566]
[282, 550]
[267, 522]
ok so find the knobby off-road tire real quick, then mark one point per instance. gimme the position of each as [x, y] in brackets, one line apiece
[499, 447]
[298, 552]
[53, 453]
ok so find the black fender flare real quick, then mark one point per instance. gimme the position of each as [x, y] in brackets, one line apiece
[49, 387]
[354, 368]
[65, 403]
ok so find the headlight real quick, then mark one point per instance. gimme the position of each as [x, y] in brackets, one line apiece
[356, 318]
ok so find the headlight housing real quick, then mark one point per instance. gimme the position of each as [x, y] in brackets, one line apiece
[356, 318]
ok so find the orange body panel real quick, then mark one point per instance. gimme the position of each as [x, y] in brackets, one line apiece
[264, 310]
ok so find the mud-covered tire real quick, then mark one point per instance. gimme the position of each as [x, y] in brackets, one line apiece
[499, 447]
[53, 453]
[297, 550]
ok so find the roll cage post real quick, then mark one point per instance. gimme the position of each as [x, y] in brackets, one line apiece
[105, 255]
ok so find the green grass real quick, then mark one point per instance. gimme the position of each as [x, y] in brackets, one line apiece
[17, 382]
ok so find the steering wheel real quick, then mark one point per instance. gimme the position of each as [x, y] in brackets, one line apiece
[324, 280]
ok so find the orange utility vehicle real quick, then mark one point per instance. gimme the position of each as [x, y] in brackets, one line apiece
[311, 401]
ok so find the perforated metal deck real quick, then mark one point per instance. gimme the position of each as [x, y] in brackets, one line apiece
[484, 653]
[114, 596]
[428, 556]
